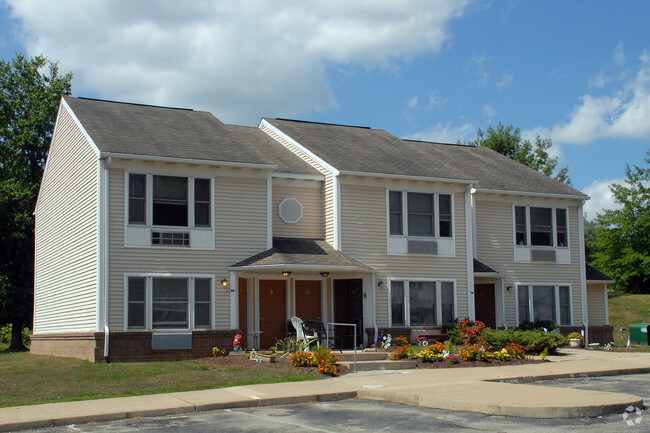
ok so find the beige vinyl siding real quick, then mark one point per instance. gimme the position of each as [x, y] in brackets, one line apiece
[364, 236]
[310, 195]
[495, 248]
[240, 220]
[66, 264]
[328, 188]
[596, 304]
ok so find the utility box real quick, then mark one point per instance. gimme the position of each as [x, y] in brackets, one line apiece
[639, 333]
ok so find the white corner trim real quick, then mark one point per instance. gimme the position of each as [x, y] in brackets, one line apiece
[269, 212]
[469, 253]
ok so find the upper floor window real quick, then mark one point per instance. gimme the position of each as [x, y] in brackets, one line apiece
[173, 201]
[541, 226]
[427, 214]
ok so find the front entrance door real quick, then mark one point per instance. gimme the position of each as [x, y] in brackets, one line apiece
[484, 304]
[273, 312]
[308, 300]
[348, 308]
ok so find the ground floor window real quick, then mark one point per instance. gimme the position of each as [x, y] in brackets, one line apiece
[157, 302]
[544, 302]
[420, 302]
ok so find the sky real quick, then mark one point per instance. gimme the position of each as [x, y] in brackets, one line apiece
[577, 72]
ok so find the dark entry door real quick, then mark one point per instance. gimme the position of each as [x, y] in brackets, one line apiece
[273, 312]
[308, 300]
[348, 308]
[484, 304]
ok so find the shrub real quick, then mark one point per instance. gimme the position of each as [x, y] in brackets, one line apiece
[453, 334]
[302, 359]
[472, 353]
[290, 345]
[401, 341]
[532, 342]
[218, 352]
[404, 352]
[514, 350]
[575, 336]
[325, 360]
[537, 325]
[5, 335]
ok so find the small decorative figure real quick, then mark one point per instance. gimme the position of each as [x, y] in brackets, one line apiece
[380, 340]
[386, 343]
[236, 343]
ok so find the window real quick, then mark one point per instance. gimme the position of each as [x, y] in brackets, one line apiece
[137, 304]
[395, 205]
[427, 215]
[423, 302]
[416, 303]
[160, 303]
[137, 198]
[397, 303]
[544, 302]
[173, 201]
[548, 226]
[421, 215]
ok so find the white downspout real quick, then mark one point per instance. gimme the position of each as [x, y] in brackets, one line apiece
[469, 241]
[104, 250]
[374, 305]
[583, 272]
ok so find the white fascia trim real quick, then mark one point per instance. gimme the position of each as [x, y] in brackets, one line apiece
[407, 177]
[315, 268]
[487, 275]
[298, 176]
[336, 190]
[319, 160]
[533, 194]
[64, 105]
[605, 282]
[189, 161]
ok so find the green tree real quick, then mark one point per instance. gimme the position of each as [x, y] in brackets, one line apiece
[621, 241]
[30, 92]
[507, 141]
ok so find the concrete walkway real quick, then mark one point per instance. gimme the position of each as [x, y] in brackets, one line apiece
[490, 390]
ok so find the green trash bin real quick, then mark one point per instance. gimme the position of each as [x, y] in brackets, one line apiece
[639, 333]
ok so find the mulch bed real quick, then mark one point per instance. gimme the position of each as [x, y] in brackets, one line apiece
[283, 365]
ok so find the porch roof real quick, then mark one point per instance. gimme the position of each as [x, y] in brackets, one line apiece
[483, 269]
[298, 253]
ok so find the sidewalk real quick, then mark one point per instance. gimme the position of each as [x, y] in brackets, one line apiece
[489, 390]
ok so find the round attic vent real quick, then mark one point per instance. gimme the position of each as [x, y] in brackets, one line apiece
[290, 210]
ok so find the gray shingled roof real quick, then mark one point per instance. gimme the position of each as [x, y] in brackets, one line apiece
[296, 251]
[366, 150]
[132, 129]
[594, 274]
[482, 268]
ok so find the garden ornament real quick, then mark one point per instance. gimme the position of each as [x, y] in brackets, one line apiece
[236, 343]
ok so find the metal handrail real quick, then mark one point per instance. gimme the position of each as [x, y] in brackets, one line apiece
[354, 325]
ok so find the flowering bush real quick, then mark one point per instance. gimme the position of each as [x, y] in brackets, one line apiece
[451, 358]
[218, 352]
[437, 347]
[515, 350]
[471, 334]
[326, 361]
[302, 359]
[401, 341]
[501, 355]
[575, 336]
[404, 352]
[430, 354]
[472, 353]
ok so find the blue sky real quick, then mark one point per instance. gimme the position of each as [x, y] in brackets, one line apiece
[577, 72]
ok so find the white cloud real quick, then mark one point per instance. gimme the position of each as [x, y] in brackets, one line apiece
[412, 103]
[446, 133]
[601, 197]
[489, 112]
[625, 114]
[239, 60]
[506, 81]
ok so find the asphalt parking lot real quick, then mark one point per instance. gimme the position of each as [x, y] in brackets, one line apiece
[364, 416]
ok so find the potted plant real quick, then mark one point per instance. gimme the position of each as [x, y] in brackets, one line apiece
[575, 339]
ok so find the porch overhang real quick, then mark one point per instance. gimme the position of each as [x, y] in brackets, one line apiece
[305, 256]
[481, 270]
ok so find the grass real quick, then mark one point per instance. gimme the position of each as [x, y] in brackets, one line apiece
[35, 379]
[625, 310]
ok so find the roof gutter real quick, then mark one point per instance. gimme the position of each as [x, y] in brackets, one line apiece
[533, 194]
[170, 159]
[283, 267]
[407, 177]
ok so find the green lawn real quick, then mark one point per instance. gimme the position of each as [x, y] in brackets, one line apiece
[625, 310]
[33, 379]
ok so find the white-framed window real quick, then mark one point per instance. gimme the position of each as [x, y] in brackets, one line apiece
[156, 302]
[418, 302]
[541, 226]
[537, 302]
[418, 214]
[169, 211]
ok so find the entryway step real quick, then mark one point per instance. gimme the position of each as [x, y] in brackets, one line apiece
[380, 365]
[362, 356]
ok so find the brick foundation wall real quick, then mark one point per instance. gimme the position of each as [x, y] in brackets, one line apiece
[128, 346]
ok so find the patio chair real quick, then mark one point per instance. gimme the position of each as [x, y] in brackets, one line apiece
[301, 334]
[318, 329]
